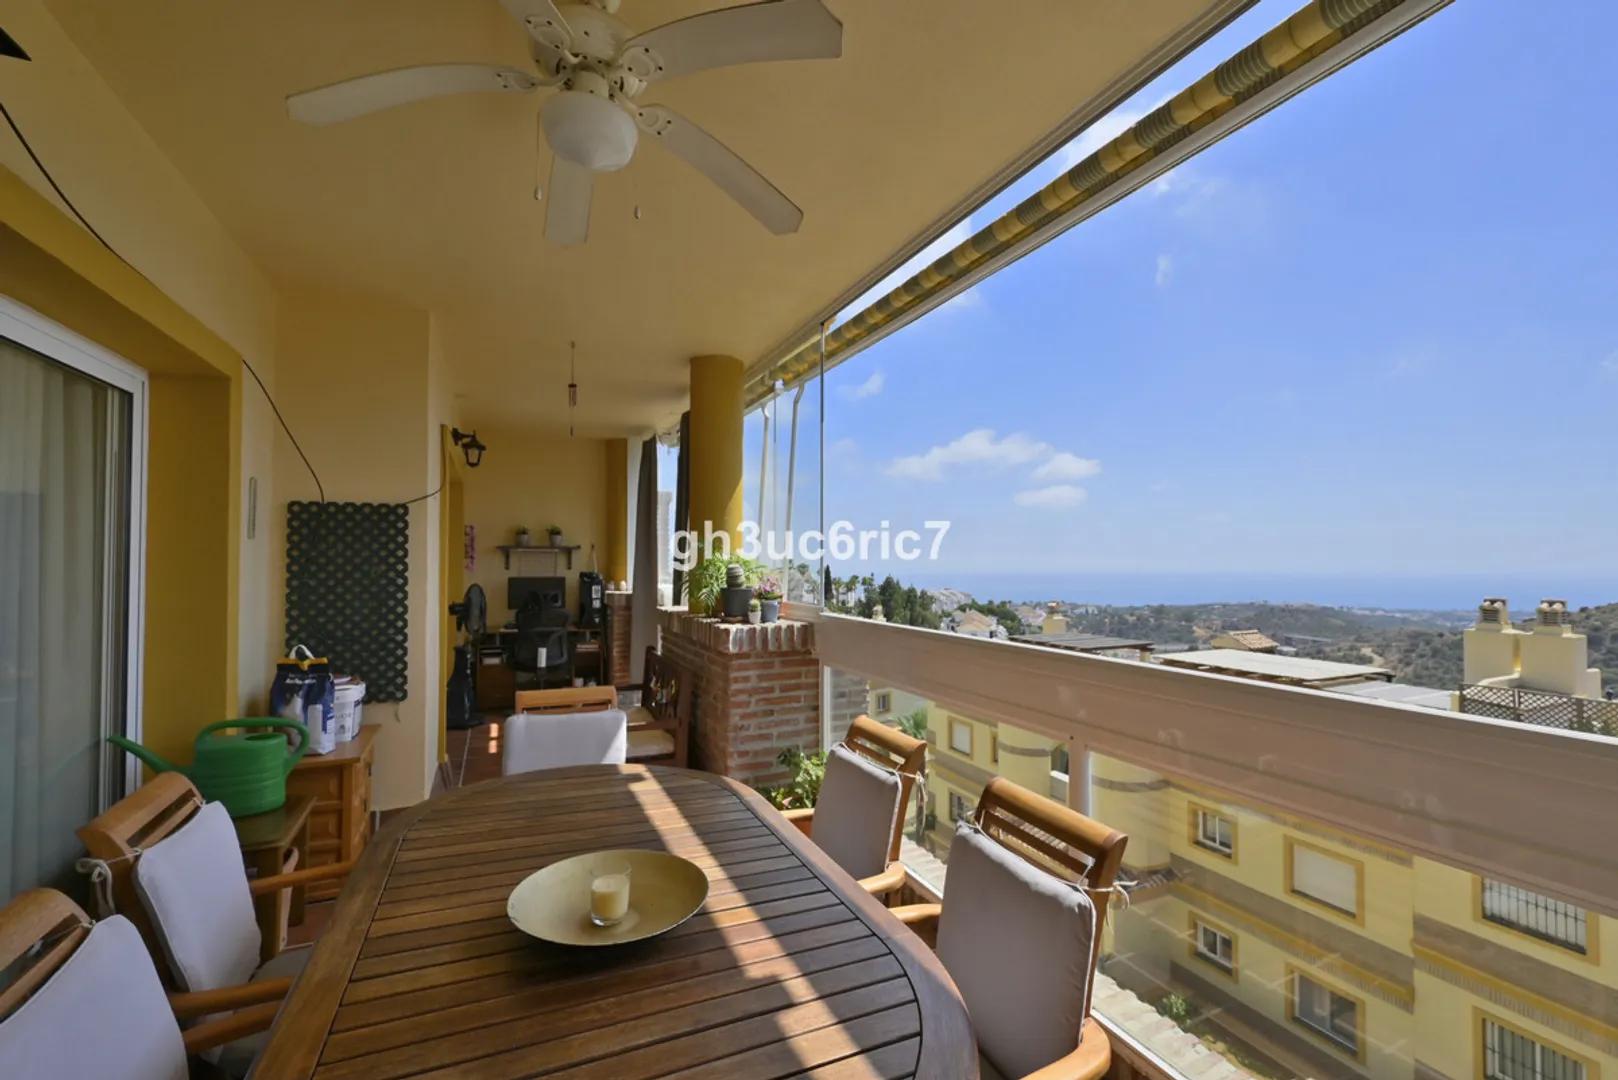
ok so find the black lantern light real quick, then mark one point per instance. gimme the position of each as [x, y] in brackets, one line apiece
[468, 442]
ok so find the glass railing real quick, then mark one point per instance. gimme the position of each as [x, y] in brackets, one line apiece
[1293, 947]
[1283, 943]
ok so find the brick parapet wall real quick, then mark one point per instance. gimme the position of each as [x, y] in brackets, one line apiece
[757, 691]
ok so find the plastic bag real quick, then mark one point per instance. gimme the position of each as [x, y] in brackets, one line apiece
[303, 691]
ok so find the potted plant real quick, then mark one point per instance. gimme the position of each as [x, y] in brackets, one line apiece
[704, 583]
[555, 534]
[769, 597]
[524, 537]
[738, 594]
[753, 611]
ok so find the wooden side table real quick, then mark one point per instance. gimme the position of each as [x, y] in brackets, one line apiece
[267, 840]
[340, 783]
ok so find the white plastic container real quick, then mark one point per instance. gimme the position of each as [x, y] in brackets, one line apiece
[349, 698]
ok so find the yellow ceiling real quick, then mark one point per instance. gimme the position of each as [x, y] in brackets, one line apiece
[433, 204]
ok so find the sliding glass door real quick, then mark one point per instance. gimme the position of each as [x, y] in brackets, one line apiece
[72, 439]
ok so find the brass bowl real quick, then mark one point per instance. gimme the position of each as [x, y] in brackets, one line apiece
[553, 904]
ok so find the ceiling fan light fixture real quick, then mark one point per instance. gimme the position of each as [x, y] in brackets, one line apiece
[589, 131]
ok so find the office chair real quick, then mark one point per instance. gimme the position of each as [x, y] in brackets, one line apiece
[538, 628]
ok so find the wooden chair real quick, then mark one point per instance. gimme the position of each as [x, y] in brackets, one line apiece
[892, 749]
[41, 930]
[660, 726]
[157, 810]
[568, 699]
[1064, 842]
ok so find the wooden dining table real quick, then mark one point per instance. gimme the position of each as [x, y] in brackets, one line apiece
[788, 968]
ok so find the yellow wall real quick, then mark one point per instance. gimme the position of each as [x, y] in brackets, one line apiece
[206, 304]
[356, 387]
[537, 480]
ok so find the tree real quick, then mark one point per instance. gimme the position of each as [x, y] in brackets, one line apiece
[914, 723]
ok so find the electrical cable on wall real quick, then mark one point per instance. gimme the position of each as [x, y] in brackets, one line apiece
[51, 180]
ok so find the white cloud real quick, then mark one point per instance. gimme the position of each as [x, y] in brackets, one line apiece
[871, 387]
[957, 234]
[1055, 497]
[1165, 270]
[1066, 466]
[1609, 366]
[977, 447]
[1097, 135]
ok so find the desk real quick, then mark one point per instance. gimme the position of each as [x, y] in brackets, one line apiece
[788, 966]
[496, 679]
[267, 840]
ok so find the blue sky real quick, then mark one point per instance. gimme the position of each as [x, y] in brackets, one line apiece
[1374, 334]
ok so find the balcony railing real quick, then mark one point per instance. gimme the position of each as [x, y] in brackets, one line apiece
[1544, 708]
[1393, 810]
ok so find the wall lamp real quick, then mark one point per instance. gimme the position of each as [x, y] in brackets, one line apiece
[468, 442]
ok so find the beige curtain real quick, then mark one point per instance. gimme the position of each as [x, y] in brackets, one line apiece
[63, 455]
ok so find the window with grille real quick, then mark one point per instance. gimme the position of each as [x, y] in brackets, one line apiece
[958, 808]
[1326, 1012]
[1216, 947]
[1551, 920]
[1216, 832]
[1508, 1054]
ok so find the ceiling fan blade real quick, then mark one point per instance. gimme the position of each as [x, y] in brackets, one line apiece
[385, 89]
[567, 197]
[774, 30]
[547, 27]
[719, 163]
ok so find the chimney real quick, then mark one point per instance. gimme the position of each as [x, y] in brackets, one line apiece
[1554, 657]
[1489, 647]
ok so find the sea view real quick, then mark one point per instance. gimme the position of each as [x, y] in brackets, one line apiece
[1457, 592]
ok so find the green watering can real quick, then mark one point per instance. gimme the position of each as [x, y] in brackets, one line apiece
[246, 771]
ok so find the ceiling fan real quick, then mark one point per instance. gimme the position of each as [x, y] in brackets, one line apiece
[593, 123]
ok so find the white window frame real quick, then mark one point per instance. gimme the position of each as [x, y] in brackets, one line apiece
[1227, 963]
[51, 339]
[971, 736]
[1325, 1029]
[1214, 844]
[884, 701]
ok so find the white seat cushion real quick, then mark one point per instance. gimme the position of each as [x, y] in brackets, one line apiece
[856, 812]
[1016, 940]
[194, 887]
[557, 740]
[650, 743]
[101, 1014]
[237, 1058]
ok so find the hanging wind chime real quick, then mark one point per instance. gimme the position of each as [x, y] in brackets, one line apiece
[572, 385]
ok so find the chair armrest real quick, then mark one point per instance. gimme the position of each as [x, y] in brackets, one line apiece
[226, 1029]
[227, 998]
[803, 818]
[277, 882]
[888, 882]
[1090, 1061]
[922, 920]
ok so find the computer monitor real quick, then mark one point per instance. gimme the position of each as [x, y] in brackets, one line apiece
[550, 593]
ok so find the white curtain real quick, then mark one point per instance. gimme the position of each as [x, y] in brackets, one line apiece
[63, 460]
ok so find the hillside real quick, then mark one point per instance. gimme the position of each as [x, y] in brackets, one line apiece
[1420, 648]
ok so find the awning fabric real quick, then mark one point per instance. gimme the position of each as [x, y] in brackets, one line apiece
[1284, 51]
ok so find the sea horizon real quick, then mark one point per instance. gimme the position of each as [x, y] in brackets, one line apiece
[1449, 592]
